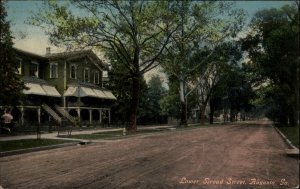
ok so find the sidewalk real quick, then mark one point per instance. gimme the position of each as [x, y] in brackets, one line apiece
[54, 134]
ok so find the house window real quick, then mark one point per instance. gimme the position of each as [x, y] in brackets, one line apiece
[86, 74]
[96, 77]
[19, 66]
[73, 71]
[34, 69]
[53, 70]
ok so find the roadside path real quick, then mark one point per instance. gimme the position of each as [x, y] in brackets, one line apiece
[53, 135]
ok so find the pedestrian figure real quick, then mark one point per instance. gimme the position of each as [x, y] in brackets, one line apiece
[7, 120]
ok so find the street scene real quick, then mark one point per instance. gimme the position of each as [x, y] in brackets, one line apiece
[247, 155]
[149, 94]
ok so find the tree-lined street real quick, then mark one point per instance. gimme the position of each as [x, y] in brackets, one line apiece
[248, 155]
[129, 64]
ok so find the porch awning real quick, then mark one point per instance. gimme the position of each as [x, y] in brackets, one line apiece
[89, 92]
[72, 91]
[51, 91]
[80, 92]
[109, 95]
[99, 93]
[35, 89]
[44, 90]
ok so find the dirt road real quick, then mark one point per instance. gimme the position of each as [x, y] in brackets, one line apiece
[232, 156]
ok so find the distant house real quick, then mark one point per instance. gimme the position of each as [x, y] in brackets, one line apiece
[63, 86]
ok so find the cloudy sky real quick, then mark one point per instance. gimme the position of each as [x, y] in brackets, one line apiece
[35, 40]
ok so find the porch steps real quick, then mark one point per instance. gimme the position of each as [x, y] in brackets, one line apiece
[52, 113]
[65, 114]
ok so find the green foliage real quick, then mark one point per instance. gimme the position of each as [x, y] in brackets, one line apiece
[193, 50]
[170, 102]
[10, 84]
[134, 32]
[151, 111]
[273, 48]
[121, 85]
[126, 28]
[292, 133]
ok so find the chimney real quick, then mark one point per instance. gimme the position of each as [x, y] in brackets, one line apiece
[48, 50]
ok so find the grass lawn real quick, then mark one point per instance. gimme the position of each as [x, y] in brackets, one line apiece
[28, 143]
[292, 133]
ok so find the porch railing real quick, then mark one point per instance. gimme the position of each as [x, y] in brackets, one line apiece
[52, 113]
[66, 114]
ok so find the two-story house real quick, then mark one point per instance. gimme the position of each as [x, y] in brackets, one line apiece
[63, 85]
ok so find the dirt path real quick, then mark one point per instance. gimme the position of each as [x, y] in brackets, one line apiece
[233, 156]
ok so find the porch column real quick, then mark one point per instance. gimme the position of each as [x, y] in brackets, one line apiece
[39, 115]
[100, 115]
[108, 116]
[22, 115]
[65, 84]
[91, 116]
[78, 112]
[64, 101]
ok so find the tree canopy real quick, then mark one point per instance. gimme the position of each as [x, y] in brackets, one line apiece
[203, 26]
[136, 32]
[10, 83]
[273, 47]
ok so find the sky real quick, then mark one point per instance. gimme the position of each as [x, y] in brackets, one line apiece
[36, 41]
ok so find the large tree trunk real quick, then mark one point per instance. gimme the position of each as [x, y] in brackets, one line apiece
[132, 127]
[183, 115]
[202, 115]
[202, 110]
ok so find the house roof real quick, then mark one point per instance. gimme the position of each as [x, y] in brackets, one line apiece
[30, 54]
[28, 79]
[80, 89]
[71, 55]
[79, 54]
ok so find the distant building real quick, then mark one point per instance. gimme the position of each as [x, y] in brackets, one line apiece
[63, 86]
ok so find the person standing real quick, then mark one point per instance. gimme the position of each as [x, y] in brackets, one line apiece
[7, 120]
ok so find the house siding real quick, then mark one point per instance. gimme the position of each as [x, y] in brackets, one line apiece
[81, 65]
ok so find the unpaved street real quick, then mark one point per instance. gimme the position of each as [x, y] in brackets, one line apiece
[233, 156]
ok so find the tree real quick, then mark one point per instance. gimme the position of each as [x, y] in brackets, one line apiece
[121, 85]
[170, 103]
[151, 113]
[10, 83]
[136, 32]
[214, 71]
[200, 26]
[273, 49]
